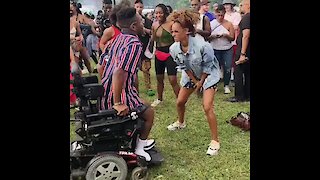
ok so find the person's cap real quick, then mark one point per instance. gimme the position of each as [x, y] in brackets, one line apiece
[204, 2]
[228, 2]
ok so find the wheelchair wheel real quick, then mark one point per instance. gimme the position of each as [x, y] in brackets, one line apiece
[107, 167]
[139, 173]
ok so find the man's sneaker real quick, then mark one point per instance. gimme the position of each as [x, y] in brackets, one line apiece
[156, 103]
[176, 125]
[140, 149]
[213, 148]
[75, 146]
[149, 145]
[227, 90]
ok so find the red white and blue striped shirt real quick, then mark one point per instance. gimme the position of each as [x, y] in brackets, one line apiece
[125, 53]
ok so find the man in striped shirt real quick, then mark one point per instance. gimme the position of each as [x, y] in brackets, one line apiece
[118, 78]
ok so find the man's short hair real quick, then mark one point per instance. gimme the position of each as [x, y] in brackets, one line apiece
[126, 16]
[138, 1]
[107, 2]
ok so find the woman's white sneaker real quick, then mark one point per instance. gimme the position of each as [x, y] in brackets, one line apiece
[227, 90]
[156, 103]
[176, 125]
[213, 148]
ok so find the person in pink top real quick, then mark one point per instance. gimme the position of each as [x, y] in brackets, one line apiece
[234, 17]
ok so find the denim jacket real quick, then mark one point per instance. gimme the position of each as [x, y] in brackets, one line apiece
[199, 59]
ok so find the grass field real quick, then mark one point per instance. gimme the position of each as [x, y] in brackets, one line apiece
[185, 150]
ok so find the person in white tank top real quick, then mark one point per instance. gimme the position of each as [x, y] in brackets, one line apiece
[221, 39]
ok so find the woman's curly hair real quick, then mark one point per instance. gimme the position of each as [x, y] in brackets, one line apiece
[186, 18]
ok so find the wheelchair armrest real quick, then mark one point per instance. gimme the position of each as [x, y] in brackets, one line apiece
[105, 112]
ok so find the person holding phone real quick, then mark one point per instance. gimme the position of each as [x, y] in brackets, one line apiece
[221, 39]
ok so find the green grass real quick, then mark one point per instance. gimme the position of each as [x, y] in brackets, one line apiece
[185, 150]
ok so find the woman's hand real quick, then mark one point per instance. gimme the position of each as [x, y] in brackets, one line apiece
[210, 38]
[224, 35]
[213, 36]
[198, 85]
[78, 38]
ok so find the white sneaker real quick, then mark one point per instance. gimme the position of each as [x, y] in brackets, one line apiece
[176, 125]
[140, 149]
[85, 71]
[75, 146]
[232, 74]
[156, 103]
[148, 54]
[150, 144]
[227, 90]
[213, 148]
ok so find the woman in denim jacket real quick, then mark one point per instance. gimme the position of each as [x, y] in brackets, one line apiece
[200, 69]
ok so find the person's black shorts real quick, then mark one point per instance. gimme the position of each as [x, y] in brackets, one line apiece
[160, 66]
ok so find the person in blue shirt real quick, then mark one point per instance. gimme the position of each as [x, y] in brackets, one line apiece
[200, 69]
[204, 9]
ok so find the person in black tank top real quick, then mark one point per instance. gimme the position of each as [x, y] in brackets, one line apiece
[163, 60]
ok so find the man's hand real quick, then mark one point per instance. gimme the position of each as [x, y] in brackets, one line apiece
[122, 109]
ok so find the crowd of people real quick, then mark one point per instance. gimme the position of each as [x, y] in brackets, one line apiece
[206, 47]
